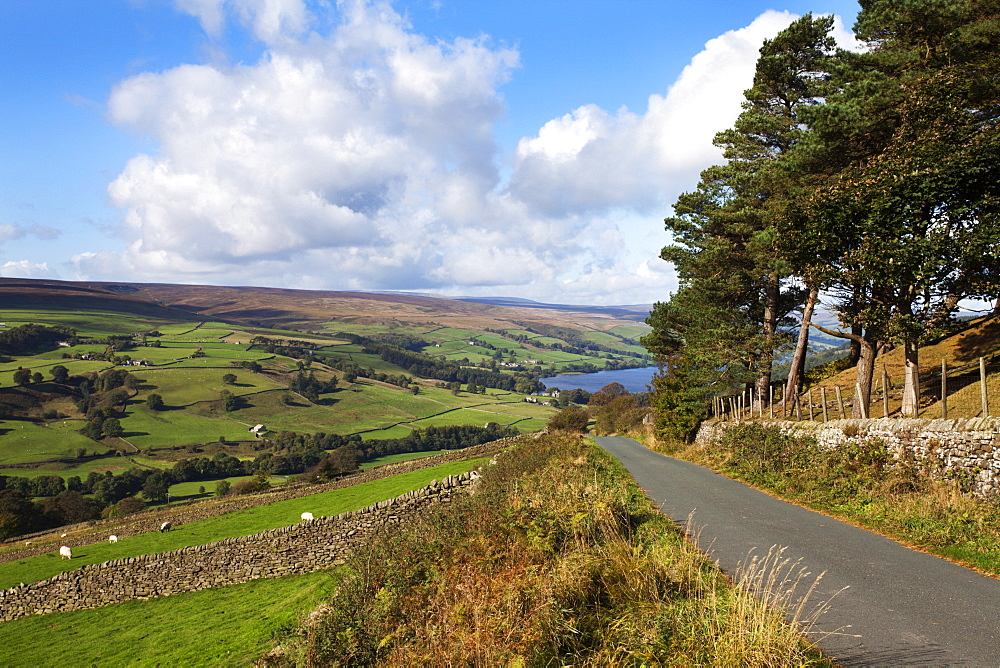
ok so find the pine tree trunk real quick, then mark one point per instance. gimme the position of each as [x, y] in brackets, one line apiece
[854, 356]
[865, 371]
[797, 369]
[772, 292]
[911, 379]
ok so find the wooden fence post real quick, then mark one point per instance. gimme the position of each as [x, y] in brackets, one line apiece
[840, 402]
[810, 404]
[862, 405]
[770, 402]
[885, 392]
[944, 389]
[982, 387]
[822, 398]
[798, 408]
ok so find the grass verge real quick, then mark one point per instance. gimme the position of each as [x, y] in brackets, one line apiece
[558, 558]
[228, 626]
[864, 485]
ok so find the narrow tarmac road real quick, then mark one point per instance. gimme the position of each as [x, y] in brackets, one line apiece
[900, 606]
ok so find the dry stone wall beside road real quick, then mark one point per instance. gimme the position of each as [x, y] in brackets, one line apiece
[967, 447]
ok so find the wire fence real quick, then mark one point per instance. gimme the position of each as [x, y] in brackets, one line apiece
[949, 392]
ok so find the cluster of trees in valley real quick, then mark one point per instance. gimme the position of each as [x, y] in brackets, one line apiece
[871, 178]
[428, 366]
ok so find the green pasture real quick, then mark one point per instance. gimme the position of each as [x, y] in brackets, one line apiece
[177, 328]
[520, 409]
[235, 353]
[239, 523]
[79, 349]
[155, 429]
[160, 353]
[44, 366]
[206, 344]
[463, 417]
[182, 386]
[201, 333]
[226, 626]
[601, 337]
[68, 470]
[22, 442]
[372, 407]
[397, 431]
[189, 490]
[86, 322]
[631, 331]
[352, 352]
[200, 363]
[404, 457]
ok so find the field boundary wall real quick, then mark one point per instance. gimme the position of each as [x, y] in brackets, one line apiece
[968, 448]
[300, 548]
[193, 511]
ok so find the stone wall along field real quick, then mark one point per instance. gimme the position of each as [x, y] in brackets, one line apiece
[300, 548]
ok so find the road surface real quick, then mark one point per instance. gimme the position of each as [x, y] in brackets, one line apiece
[900, 606]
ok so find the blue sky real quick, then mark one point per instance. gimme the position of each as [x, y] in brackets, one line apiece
[524, 149]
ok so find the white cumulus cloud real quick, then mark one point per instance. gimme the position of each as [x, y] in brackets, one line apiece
[590, 159]
[362, 156]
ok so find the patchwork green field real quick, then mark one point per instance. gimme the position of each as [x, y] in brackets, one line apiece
[196, 362]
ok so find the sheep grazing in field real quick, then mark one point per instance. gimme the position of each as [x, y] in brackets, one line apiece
[166, 526]
[64, 535]
[112, 538]
[307, 517]
[27, 543]
[65, 552]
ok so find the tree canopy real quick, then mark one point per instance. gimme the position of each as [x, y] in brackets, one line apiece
[870, 178]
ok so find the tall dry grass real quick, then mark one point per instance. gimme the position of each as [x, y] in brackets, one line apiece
[557, 559]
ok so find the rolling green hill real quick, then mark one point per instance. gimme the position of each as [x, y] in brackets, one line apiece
[145, 376]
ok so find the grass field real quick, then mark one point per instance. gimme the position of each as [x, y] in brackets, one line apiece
[23, 442]
[152, 429]
[83, 469]
[404, 457]
[241, 523]
[183, 491]
[87, 322]
[181, 386]
[227, 626]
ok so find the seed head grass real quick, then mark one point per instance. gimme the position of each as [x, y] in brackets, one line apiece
[557, 558]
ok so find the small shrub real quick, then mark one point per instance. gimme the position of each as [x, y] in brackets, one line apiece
[571, 419]
[251, 486]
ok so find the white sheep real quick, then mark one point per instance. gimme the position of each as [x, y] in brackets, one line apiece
[307, 517]
[64, 535]
[27, 543]
[112, 538]
[65, 552]
[166, 526]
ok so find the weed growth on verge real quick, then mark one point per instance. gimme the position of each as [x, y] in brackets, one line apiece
[557, 558]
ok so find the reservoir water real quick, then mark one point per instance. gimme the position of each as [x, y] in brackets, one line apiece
[633, 380]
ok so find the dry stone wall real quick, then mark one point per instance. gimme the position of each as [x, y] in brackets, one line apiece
[94, 532]
[301, 548]
[966, 447]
